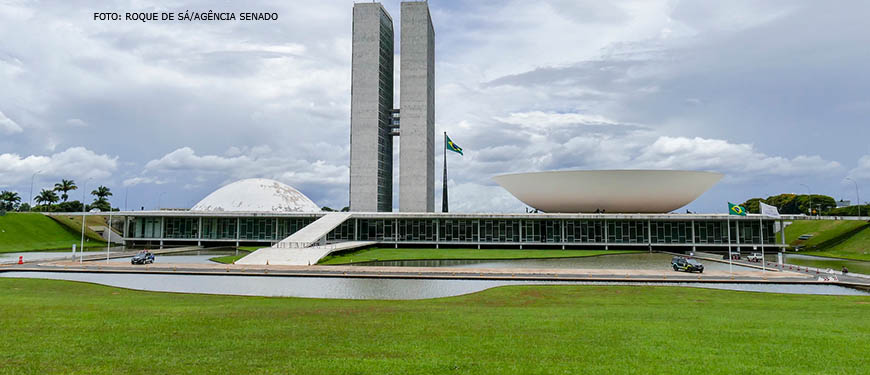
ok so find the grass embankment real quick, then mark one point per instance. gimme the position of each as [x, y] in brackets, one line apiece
[372, 254]
[34, 231]
[832, 238]
[856, 246]
[228, 259]
[59, 327]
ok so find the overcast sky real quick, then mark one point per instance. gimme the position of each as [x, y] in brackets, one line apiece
[772, 94]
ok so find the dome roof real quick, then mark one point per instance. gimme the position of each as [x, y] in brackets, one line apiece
[614, 191]
[256, 195]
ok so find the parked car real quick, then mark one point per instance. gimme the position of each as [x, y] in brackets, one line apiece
[755, 257]
[687, 265]
[143, 257]
[805, 237]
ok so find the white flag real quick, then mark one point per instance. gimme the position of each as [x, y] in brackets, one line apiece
[768, 210]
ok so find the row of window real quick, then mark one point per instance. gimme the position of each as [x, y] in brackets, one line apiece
[464, 230]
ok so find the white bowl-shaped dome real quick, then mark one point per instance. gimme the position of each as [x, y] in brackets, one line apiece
[256, 195]
[614, 191]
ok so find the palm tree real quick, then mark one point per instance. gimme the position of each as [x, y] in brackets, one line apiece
[8, 200]
[46, 196]
[102, 192]
[64, 187]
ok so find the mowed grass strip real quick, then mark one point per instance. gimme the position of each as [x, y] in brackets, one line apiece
[821, 230]
[855, 247]
[65, 327]
[34, 231]
[372, 254]
[228, 259]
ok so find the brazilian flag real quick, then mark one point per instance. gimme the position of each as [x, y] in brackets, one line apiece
[735, 209]
[449, 145]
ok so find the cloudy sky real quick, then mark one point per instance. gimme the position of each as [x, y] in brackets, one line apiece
[772, 94]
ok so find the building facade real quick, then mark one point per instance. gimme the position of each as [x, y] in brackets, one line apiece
[610, 231]
[375, 121]
[371, 108]
[417, 102]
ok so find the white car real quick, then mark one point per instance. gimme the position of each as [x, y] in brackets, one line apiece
[755, 257]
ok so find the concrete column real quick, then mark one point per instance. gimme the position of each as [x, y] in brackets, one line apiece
[521, 233]
[693, 235]
[737, 229]
[606, 247]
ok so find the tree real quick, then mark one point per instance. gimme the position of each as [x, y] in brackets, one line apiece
[101, 202]
[46, 196]
[24, 207]
[102, 192]
[792, 204]
[327, 209]
[69, 206]
[9, 200]
[64, 187]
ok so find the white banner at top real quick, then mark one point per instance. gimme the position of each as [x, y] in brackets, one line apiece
[768, 210]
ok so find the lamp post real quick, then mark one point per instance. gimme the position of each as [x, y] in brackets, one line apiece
[31, 188]
[858, 197]
[811, 198]
[82, 245]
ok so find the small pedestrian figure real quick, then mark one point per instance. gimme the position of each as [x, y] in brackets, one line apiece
[845, 270]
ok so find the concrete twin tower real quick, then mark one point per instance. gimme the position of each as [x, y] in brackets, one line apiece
[374, 120]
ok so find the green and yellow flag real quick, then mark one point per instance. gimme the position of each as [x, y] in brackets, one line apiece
[449, 145]
[736, 209]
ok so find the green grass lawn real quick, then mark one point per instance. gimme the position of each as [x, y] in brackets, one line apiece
[855, 247]
[66, 327]
[822, 230]
[34, 231]
[228, 259]
[252, 248]
[371, 254]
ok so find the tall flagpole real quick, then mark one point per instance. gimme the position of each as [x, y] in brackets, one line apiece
[444, 186]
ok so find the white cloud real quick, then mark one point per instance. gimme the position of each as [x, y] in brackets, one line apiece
[319, 179]
[8, 126]
[74, 162]
[546, 119]
[862, 171]
[76, 122]
[143, 180]
[739, 160]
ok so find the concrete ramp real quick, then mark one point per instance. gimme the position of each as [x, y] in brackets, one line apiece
[314, 233]
[298, 256]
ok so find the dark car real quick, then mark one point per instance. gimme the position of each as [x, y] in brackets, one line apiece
[143, 257]
[688, 265]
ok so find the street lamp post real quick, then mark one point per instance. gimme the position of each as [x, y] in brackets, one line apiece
[857, 196]
[31, 188]
[811, 198]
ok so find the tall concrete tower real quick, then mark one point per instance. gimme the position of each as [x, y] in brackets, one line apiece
[417, 104]
[371, 144]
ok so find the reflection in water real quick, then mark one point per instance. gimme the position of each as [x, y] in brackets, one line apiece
[639, 261]
[362, 288]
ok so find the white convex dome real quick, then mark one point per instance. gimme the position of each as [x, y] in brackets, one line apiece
[256, 195]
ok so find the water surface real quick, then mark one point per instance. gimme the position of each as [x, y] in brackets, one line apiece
[364, 288]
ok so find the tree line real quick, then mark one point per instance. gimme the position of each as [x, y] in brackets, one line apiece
[807, 204]
[56, 199]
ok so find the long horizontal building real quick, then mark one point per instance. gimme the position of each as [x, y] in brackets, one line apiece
[600, 231]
